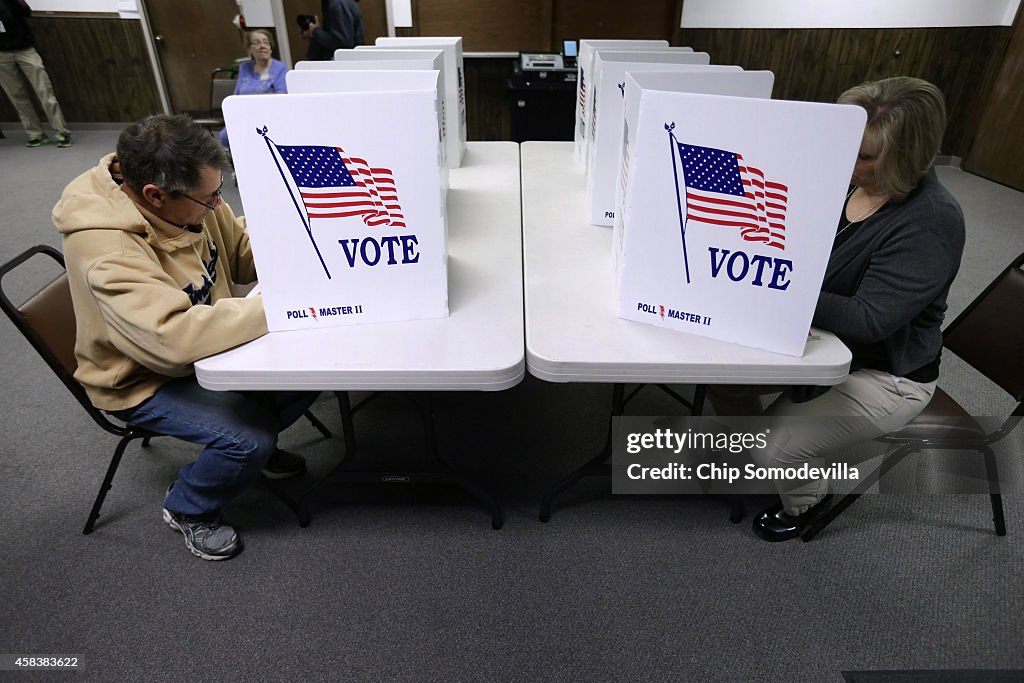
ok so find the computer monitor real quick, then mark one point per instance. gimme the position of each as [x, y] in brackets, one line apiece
[569, 48]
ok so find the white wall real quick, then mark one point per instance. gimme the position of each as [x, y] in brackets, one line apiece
[125, 9]
[399, 13]
[258, 13]
[846, 14]
[85, 6]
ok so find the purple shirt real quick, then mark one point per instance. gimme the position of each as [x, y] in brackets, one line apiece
[250, 83]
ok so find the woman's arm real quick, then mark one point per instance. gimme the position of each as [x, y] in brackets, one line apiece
[277, 76]
[903, 276]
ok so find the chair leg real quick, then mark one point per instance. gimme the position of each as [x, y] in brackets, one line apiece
[997, 513]
[105, 486]
[318, 424]
[737, 509]
[825, 519]
[888, 462]
[347, 422]
[995, 498]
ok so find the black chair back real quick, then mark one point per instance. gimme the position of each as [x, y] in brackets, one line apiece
[989, 333]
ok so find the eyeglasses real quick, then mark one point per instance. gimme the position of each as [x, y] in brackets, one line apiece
[216, 197]
[260, 41]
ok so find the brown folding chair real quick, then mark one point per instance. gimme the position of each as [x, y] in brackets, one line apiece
[47, 319]
[222, 84]
[987, 336]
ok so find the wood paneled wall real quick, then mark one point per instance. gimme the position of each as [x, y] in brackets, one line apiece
[540, 25]
[999, 145]
[819, 64]
[99, 68]
[494, 25]
[650, 19]
[809, 64]
[101, 71]
[488, 101]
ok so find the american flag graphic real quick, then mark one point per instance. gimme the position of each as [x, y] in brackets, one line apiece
[581, 121]
[721, 189]
[332, 184]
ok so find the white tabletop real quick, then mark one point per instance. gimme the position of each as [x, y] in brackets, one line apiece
[479, 346]
[572, 331]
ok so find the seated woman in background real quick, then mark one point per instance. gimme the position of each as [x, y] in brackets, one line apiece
[897, 249]
[262, 74]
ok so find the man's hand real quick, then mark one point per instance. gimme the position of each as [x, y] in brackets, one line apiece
[313, 25]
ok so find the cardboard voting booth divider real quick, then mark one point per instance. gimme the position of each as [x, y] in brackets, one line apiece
[454, 78]
[414, 63]
[590, 106]
[730, 213]
[584, 60]
[606, 119]
[342, 202]
[709, 80]
[381, 58]
[306, 81]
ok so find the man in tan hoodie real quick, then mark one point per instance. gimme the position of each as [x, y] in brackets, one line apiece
[152, 253]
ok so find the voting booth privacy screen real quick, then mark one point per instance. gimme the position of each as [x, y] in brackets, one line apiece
[442, 60]
[454, 78]
[730, 210]
[703, 80]
[306, 81]
[584, 61]
[605, 131]
[362, 62]
[381, 60]
[343, 203]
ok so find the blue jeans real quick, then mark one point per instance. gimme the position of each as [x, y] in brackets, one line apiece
[239, 430]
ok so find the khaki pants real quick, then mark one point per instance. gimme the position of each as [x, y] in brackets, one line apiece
[29, 62]
[888, 402]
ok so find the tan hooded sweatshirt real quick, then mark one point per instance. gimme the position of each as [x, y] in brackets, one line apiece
[150, 298]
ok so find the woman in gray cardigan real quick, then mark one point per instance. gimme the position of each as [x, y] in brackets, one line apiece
[897, 249]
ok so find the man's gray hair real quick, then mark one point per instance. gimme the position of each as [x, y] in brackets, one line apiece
[167, 151]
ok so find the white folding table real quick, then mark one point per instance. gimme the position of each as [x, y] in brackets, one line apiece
[574, 335]
[479, 346]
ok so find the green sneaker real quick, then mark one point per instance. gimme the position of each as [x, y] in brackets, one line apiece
[38, 141]
[63, 139]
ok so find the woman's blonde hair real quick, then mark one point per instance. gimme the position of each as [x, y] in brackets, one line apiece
[906, 121]
[262, 31]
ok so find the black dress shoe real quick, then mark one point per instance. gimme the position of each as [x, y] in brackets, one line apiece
[775, 525]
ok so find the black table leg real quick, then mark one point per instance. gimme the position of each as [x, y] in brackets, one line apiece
[345, 472]
[598, 465]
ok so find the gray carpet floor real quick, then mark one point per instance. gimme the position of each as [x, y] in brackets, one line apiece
[414, 585]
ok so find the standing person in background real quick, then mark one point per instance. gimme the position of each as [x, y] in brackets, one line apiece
[18, 54]
[262, 74]
[342, 29]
